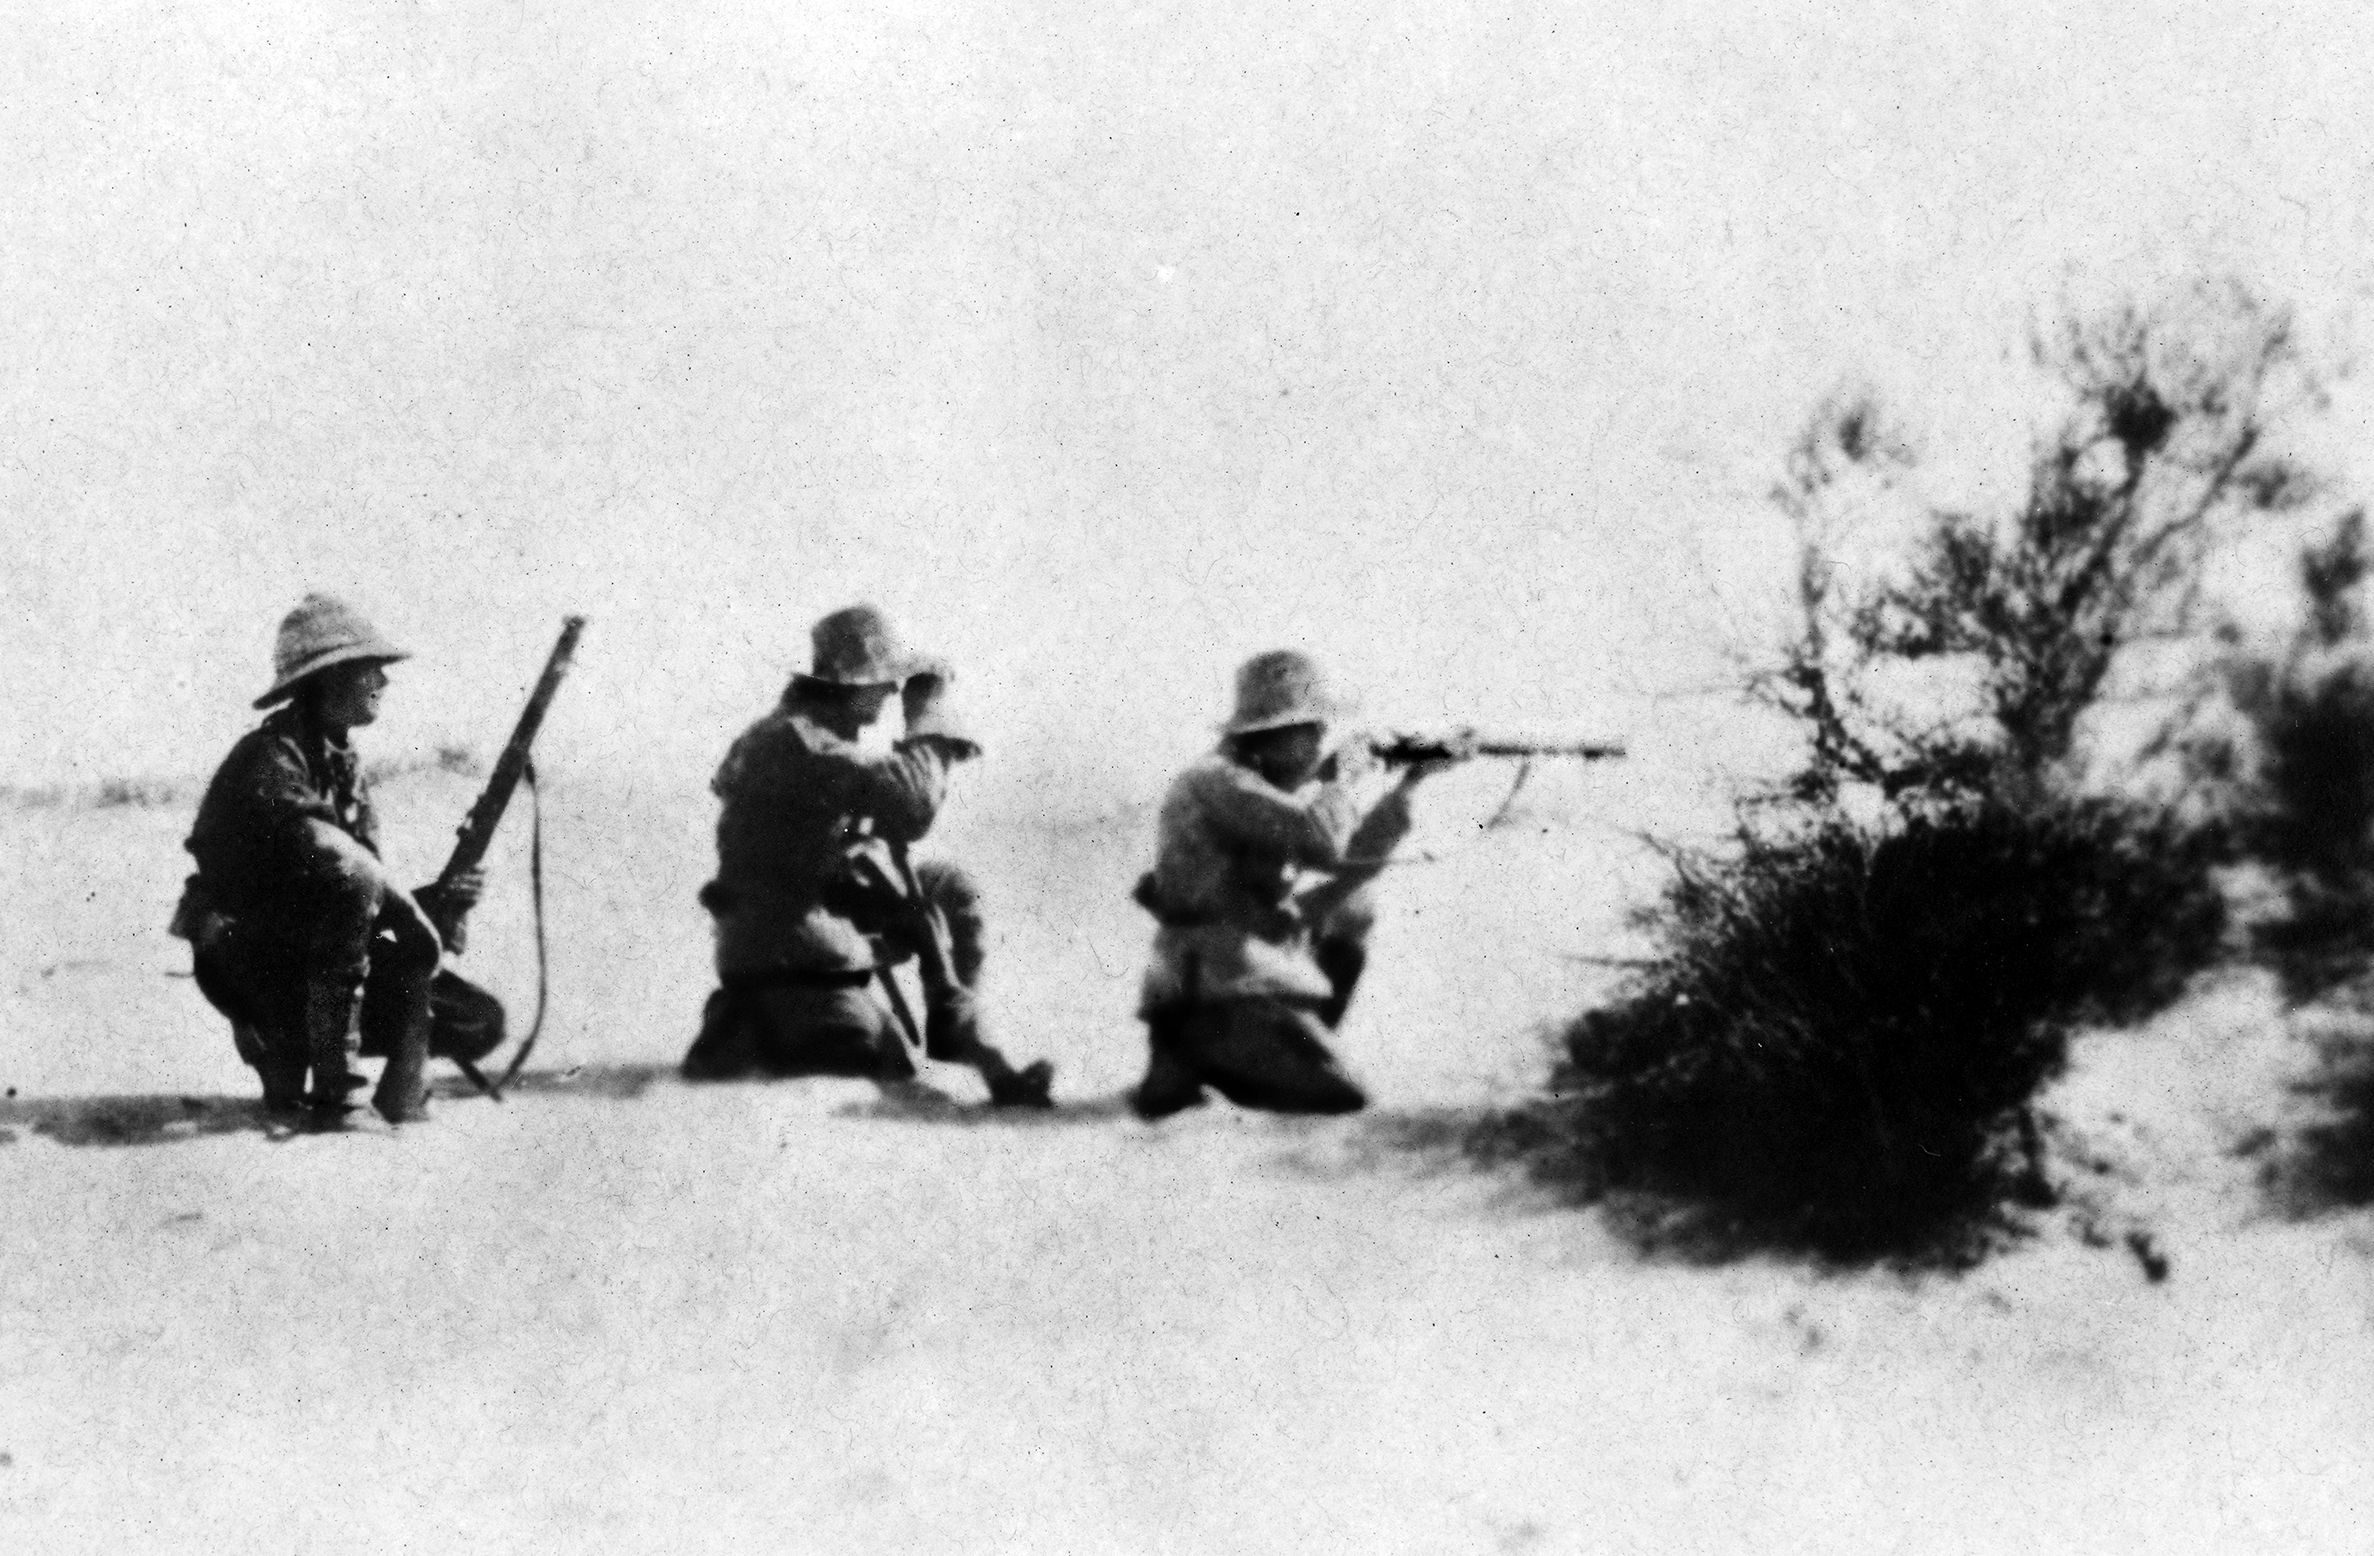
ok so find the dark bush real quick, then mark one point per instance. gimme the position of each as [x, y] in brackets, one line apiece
[2307, 809]
[1842, 1038]
[2315, 825]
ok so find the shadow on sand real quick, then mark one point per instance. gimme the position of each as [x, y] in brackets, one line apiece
[604, 1082]
[1532, 1161]
[914, 1102]
[135, 1120]
[897, 1102]
[1477, 1140]
[169, 1118]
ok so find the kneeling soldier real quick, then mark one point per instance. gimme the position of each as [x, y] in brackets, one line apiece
[814, 898]
[298, 933]
[1264, 854]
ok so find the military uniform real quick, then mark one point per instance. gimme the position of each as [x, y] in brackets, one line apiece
[294, 934]
[1261, 898]
[813, 898]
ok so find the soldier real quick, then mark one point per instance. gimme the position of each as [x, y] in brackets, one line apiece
[1266, 848]
[814, 898]
[298, 933]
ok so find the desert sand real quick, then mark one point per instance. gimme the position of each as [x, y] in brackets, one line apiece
[616, 1312]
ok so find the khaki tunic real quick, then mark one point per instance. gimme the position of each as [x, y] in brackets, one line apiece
[258, 857]
[1248, 873]
[796, 800]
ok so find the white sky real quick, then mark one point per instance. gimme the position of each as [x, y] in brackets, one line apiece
[1105, 345]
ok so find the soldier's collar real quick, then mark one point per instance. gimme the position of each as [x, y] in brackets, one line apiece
[295, 720]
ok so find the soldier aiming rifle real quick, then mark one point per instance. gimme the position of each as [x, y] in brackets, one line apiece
[1260, 888]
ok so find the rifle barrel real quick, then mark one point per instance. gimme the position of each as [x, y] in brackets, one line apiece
[1413, 748]
[1587, 750]
[477, 830]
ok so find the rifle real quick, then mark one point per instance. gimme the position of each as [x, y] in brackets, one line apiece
[1403, 750]
[887, 874]
[477, 833]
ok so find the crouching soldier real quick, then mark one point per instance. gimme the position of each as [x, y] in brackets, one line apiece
[1267, 846]
[298, 933]
[815, 899]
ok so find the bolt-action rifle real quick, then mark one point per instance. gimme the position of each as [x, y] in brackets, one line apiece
[889, 877]
[477, 832]
[1403, 750]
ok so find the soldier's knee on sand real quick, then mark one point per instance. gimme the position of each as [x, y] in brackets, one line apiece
[1265, 1054]
[1343, 961]
[1351, 921]
[790, 1031]
[842, 1031]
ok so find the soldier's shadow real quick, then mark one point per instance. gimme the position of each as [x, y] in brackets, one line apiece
[917, 1102]
[897, 1102]
[135, 1120]
[607, 1082]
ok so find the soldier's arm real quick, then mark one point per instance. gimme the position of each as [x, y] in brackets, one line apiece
[306, 836]
[296, 820]
[902, 789]
[1313, 829]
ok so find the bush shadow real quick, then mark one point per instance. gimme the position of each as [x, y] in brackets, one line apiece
[1541, 1166]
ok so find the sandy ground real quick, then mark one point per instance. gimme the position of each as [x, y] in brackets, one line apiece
[618, 1313]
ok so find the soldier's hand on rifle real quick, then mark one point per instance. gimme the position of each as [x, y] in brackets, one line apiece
[1355, 758]
[447, 906]
[1439, 754]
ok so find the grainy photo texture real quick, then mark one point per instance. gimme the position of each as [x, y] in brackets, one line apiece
[1046, 777]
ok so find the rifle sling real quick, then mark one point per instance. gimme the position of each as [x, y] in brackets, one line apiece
[536, 895]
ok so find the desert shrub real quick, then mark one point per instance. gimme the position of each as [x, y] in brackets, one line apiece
[2300, 780]
[2162, 452]
[459, 760]
[143, 793]
[1845, 1027]
[1851, 1013]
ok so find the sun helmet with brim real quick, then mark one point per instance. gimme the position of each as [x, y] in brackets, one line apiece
[1281, 688]
[323, 631]
[859, 647]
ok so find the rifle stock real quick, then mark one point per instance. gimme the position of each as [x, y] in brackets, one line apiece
[477, 830]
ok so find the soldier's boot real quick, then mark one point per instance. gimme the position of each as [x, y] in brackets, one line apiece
[403, 1093]
[1342, 961]
[1172, 1083]
[1029, 1087]
[282, 1072]
[331, 1007]
[952, 1031]
[725, 1049]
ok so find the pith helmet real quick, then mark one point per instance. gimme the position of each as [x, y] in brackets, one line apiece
[323, 631]
[859, 647]
[1279, 688]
